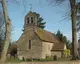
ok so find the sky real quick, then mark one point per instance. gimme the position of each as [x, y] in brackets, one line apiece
[56, 17]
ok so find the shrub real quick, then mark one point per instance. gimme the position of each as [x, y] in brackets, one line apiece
[29, 59]
[67, 53]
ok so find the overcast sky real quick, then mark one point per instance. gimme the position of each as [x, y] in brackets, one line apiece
[56, 17]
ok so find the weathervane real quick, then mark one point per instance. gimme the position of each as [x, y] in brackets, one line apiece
[30, 6]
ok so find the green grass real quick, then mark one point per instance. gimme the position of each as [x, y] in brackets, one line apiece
[11, 59]
[64, 59]
[47, 59]
[40, 60]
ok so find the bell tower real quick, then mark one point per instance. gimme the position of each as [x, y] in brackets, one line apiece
[30, 21]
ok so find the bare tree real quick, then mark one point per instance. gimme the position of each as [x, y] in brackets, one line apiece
[73, 7]
[2, 29]
[7, 32]
[7, 26]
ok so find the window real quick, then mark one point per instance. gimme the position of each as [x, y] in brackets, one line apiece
[29, 44]
[28, 20]
[31, 19]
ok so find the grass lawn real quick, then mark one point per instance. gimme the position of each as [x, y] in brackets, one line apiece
[11, 59]
[64, 59]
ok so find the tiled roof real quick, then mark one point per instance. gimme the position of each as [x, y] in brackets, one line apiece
[42, 34]
[30, 12]
[46, 36]
[58, 46]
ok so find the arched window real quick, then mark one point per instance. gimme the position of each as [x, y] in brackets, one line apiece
[31, 19]
[28, 20]
[29, 44]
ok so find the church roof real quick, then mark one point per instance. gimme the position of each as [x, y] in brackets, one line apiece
[30, 12]
[58, 46]
[43, 35]
[46, 35]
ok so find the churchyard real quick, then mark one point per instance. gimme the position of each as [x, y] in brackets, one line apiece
[38, 36]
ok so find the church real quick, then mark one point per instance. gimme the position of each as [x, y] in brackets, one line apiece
[36, 42]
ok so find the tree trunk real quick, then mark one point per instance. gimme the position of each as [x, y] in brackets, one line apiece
[7, 38]
[74, 31]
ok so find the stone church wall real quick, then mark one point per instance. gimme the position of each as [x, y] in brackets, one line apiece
[36, 47]
[57, 53]
[46, 49]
